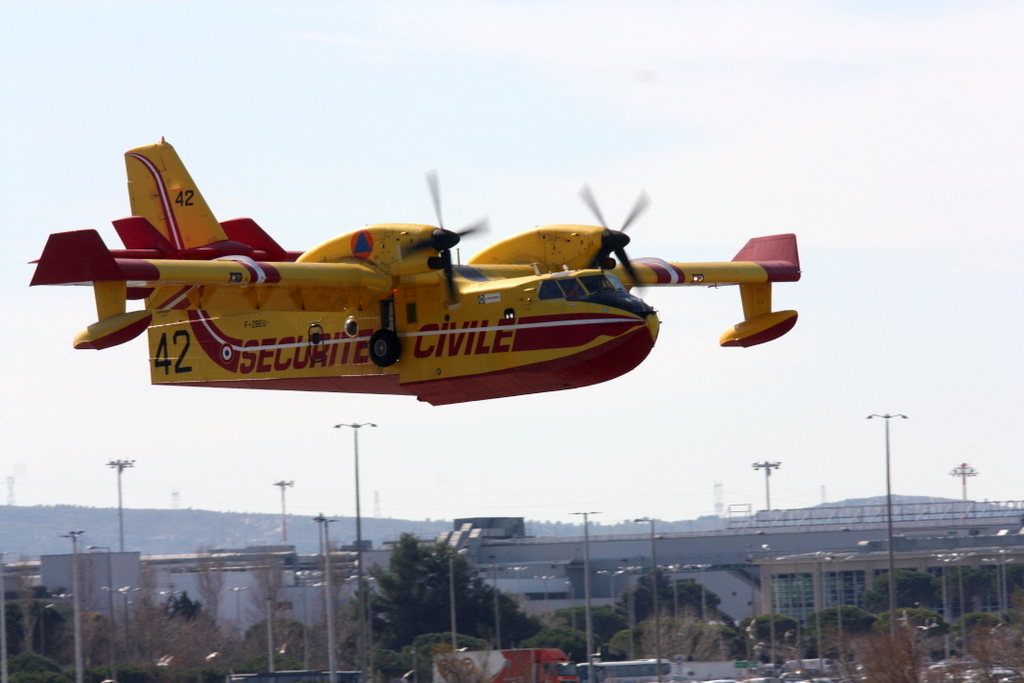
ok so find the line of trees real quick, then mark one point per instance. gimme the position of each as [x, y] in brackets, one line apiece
[176, 637]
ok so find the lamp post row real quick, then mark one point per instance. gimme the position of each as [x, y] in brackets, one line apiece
[121, 465]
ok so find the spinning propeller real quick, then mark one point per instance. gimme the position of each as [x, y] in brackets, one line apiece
[614, 241]
[442, 241]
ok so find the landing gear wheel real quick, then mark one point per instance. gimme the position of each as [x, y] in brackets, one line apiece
[385, 348]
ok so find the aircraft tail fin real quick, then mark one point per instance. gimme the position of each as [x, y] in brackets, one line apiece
[162, 192]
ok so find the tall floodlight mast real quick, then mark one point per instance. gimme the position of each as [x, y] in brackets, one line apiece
[963, 470]
[767, 467]
[284, 518]
[120, 466]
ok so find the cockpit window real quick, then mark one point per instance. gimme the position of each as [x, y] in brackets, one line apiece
[549, 290]
[572, 288]
[597, 283]
[616, 283]
[575, 289]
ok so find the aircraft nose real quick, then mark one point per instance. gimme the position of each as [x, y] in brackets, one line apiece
[653, 326]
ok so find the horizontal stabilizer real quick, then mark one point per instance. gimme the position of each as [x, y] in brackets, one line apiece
[248, 231]
[75, 257]
[137, 233]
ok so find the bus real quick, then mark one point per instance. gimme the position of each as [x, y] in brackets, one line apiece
[636, 671]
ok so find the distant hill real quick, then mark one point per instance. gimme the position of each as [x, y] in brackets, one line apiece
[34, 531]
[880, 500]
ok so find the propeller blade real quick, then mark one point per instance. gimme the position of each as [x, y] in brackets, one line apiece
[642, 202]
[588, 199]
[449, 276]
[624, 260]
[435, 195]
[482, 225]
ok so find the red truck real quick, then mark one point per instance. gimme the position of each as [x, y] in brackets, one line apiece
[539, 665]
[536, 665]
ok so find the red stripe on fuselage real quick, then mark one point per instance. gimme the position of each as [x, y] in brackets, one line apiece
[592, 366]
[572, 332]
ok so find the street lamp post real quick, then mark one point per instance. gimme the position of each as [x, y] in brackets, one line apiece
[270, 634]
[945, 600]
[571, 592]
[76, 603]
[611, 581]
[674, 568]
[325, 546]
[120, 466]
[110, 606]
[631, 607]
[451, 598]
[703, 592]
[888, 514]
[361, 594]
[771, 606]
[238, 605]
[959, 558]
[592, 678]
[124, 591]
[839, 600]
[304, 577]
[3, 623]
[654, 593]
[494, 593]
[545, 579]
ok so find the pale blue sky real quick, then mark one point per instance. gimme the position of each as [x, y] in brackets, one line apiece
[886, 135]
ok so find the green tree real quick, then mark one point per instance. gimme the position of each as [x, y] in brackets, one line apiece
[977, 583]
[261, 663]
[618, 646]
[922, 621]
[977, 622]
[28, 662]
[856, 621]
[913, 589]
[49, 623]
[183, 607]
[32, 668]
[414, 597]
[688, 592]
[15, 630]
[606, 619]
[758, 633]
[570, 641]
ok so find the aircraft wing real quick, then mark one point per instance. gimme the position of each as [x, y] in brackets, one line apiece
[761, 260]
